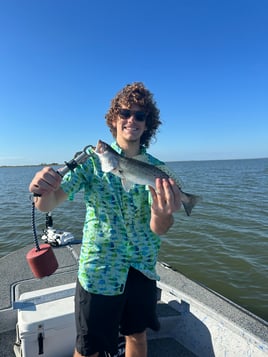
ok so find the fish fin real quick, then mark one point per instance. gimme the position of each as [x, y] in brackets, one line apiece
[127, 185]
[189, 201]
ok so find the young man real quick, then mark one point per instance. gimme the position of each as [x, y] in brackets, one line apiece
[116, 286]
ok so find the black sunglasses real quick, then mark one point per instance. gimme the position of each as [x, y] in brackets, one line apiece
[127, 113]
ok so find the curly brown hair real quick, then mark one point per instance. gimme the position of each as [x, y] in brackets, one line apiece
[136, 93]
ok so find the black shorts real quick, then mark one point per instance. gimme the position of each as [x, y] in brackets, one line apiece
[99, 318]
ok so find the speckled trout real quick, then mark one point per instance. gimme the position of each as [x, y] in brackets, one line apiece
[137, 171]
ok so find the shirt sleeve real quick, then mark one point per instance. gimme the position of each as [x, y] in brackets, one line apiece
[75, 180]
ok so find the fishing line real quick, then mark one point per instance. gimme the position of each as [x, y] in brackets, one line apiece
[34, 225]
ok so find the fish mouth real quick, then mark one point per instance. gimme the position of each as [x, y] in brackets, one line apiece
[100, 148]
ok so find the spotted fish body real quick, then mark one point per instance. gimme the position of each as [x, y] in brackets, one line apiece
[135, 171]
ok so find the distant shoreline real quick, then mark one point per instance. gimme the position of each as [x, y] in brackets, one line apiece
[32, 165]
[57, 164]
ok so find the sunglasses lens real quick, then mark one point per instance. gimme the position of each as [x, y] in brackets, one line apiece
[124, 113]
[140, 116]
[127, 113]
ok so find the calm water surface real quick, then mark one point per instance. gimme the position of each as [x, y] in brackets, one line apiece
[222, 245]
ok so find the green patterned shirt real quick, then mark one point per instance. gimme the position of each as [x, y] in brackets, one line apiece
[116, 233]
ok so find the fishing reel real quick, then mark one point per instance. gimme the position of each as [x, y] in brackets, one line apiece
[55, 237]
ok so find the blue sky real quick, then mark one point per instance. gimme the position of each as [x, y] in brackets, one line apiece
[62, 61]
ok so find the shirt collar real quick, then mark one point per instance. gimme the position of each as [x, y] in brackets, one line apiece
[118, 149]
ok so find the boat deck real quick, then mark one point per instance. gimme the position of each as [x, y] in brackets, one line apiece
[194, 320]
[167, 347]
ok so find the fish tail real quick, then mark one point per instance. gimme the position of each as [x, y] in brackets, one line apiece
[189, 201]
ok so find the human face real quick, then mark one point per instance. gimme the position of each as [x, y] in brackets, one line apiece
[129, 129]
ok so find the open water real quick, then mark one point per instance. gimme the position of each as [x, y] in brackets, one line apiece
[223, 244]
